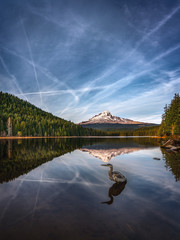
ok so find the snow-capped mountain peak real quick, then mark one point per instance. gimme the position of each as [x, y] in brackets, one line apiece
[107, 117]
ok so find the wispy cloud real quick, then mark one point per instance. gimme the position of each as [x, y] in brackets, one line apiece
[160, 24]
[148, 100]
[117, 85]
[112, 88]
[48, 74]
[67, 91]
[79, 62]
[157, 26]
[165, 53]
[32, 60]
[13, 78]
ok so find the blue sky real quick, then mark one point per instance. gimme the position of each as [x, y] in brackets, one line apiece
[78, 58]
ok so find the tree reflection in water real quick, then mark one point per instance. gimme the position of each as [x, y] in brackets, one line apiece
[172, 162]
[18, 157]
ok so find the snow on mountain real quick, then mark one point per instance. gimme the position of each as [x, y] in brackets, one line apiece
[107, 154]
[107, 117]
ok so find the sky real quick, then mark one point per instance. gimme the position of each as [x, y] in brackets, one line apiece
[77, 58]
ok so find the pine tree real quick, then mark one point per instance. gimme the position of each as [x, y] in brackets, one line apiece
[27, 120]
[170, 124]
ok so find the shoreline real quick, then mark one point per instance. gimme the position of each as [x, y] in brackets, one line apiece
[39, 137]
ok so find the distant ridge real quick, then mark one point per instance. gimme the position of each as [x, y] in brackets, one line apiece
[106, 121]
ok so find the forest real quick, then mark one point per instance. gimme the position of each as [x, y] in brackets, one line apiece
[20, 118]
[142, 131]
[170, 124]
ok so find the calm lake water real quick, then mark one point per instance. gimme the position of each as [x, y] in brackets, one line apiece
[58, 189]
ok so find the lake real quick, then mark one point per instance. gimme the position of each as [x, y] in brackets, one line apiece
[59, 189]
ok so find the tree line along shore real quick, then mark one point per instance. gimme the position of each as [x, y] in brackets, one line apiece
[19, 118]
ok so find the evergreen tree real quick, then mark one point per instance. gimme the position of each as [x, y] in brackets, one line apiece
[170, 124]
[27, 120]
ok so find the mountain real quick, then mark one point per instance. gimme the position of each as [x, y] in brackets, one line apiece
[20, 118]
[106, 121]
[107, 117]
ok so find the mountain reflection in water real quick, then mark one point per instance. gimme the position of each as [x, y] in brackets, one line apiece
[21, 156]
[54, 189]
[107, 154]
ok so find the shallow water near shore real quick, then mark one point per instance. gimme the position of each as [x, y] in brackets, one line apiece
[58, 189]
